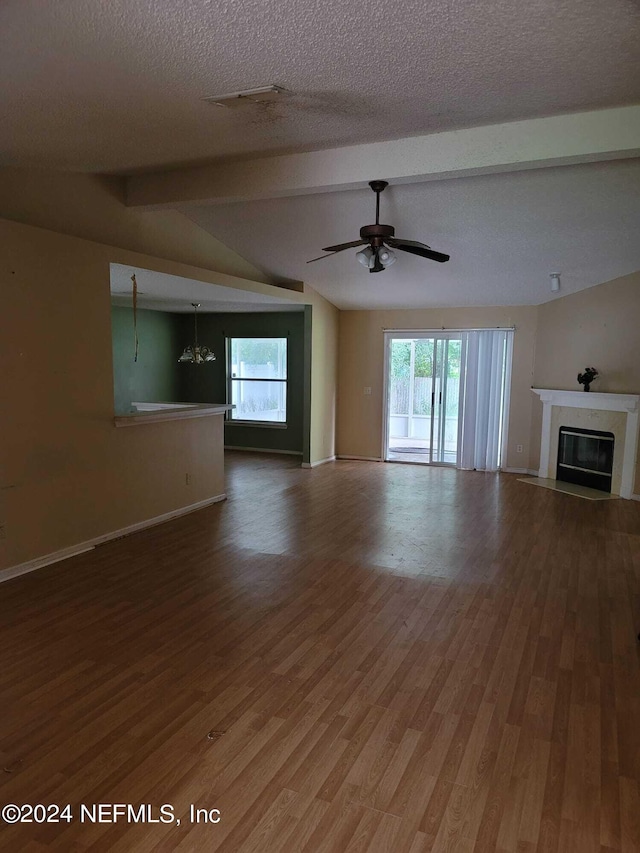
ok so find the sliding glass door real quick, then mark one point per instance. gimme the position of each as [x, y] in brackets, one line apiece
[424, 374]
[447, 397]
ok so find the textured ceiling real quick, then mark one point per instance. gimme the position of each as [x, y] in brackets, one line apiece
[118, 86]
[505, 234]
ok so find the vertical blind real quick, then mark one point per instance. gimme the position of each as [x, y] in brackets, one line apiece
[487, 378]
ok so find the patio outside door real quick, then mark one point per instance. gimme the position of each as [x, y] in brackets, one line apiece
[423, 391]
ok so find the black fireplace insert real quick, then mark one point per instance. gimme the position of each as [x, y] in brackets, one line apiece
[585, 457]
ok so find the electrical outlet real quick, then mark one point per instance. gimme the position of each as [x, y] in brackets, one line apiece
[367, 391]
[518, 448]
[187, 479]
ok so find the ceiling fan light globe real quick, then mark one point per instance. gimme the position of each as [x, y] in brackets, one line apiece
[366, 257]
[386, 257]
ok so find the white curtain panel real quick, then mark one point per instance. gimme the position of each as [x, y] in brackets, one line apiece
[485, 407]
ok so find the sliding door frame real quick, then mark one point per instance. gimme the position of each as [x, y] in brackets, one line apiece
[411, 335]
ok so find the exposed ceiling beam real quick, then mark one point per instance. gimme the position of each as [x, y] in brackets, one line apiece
[536, 143]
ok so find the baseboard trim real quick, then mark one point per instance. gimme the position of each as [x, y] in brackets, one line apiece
[319, 462]
[89, 545]
[635, 497]
[516, 470]
[41, 562]
[360, 458]
[263, 450]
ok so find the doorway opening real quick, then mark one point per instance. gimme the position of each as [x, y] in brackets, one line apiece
[424, 400]
[446, 397]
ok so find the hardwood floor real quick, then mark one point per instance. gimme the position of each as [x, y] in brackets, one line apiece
[360, 657]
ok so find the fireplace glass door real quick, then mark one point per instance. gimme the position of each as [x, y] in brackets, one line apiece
[585, 457]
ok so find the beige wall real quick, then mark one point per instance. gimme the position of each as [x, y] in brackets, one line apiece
[598, 327]
[324, 377]
[361, 360]
[67, 475]
[93, 207]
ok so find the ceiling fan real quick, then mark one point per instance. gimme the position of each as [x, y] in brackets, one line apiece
[381, 241]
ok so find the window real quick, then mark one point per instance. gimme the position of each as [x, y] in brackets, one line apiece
[257, 379]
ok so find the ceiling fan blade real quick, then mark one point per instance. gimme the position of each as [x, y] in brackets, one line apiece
[397, 241]
[419, 249]
[341, 246]
[333, 250]
[321, 257]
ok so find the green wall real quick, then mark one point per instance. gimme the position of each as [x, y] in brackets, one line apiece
[155, 376]
[206, 383]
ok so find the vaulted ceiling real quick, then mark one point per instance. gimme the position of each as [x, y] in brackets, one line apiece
[507, 129]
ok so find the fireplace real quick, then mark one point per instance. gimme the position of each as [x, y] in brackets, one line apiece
[585, 457]
[616, 415]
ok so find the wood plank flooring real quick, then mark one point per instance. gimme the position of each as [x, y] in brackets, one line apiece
[359, 657]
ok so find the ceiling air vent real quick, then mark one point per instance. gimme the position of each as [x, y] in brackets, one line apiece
[263, 95]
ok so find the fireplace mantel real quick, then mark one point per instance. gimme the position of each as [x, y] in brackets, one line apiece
[589, 400]
[596, 401]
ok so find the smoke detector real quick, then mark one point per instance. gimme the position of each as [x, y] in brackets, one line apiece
[263, 95]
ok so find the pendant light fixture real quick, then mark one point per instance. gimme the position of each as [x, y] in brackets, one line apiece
[196, 354]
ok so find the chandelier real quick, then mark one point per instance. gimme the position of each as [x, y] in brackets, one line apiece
[196, 354]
